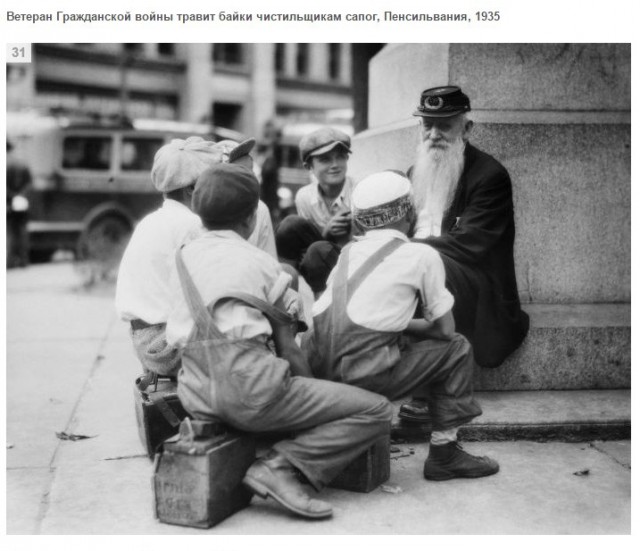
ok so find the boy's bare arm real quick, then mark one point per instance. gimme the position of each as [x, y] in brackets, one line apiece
[442, 328]
[288, 349]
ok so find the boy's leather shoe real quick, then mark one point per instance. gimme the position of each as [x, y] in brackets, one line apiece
[415, 411]
[274, 476]
[451, 461]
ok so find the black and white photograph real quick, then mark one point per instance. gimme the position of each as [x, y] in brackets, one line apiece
[303, 288]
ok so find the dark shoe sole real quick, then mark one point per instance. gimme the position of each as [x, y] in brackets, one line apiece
[469, 474]
[262, 491]
[414, 418]
[414, 415]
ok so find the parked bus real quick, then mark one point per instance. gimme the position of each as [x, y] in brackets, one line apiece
[91, 177]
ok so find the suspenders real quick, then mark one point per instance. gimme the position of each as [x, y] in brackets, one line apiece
[345, 286]
[202, 316]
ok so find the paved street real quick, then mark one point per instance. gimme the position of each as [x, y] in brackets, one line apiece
[70, 367]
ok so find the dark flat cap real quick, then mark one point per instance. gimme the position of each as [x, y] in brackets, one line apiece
[442, 102]
[225, 194]
[323, 140]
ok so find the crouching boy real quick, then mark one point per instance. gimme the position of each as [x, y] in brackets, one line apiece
[364, 334]
[143, 296]
[230, 298]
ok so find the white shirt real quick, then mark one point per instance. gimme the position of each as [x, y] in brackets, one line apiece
[221, 262]
[311, 205]
[142, 290]
[387, 299]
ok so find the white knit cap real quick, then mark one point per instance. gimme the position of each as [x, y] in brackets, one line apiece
[381, 199]
[179, 163]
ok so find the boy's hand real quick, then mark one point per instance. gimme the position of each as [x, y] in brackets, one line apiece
[339, 225]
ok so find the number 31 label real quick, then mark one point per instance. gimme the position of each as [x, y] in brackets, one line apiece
[18, 53]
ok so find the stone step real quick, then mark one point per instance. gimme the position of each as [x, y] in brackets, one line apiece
[569, 347]
[565, 415]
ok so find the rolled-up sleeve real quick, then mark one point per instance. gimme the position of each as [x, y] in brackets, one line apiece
[290, 299]
[262, 236]
[280, 285]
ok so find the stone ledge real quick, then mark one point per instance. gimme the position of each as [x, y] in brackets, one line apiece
[569, 347]
[572, 416]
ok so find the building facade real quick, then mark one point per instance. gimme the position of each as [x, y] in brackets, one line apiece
[235, 85]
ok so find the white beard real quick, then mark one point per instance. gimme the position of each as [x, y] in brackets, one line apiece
[435, 177]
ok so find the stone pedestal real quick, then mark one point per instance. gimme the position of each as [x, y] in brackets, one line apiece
[558, 117]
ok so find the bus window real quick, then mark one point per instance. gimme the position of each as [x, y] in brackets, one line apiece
[289, 156]
[138, 153]
[90, 153]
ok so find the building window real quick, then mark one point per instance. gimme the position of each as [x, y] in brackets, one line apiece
[334, 61]
[227, 115]
[280, 58]
[87, 153]
[15, 73]
[302, 60]
[167, 49]
[228, 54]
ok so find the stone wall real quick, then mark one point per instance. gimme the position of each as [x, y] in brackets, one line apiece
[558, 117]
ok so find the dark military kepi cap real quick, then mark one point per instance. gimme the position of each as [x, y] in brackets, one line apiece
[442, 102]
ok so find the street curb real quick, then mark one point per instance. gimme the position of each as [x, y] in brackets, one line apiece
[561, 432]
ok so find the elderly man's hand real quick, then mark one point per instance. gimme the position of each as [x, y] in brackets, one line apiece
[338, 226]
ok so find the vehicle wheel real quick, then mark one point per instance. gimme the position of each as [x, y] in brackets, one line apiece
[102, 244]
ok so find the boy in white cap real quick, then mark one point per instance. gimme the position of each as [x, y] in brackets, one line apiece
[142, 291]
[364, 333]
[223, 324]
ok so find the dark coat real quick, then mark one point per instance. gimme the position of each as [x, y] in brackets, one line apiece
[476, 246]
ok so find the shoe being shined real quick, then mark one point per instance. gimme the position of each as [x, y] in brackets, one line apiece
[451, 461]
[276, 478]
[415, 411]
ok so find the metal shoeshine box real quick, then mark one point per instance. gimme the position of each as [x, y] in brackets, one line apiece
[197, 479]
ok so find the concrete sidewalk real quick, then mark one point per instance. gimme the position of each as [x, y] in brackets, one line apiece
[70, 367]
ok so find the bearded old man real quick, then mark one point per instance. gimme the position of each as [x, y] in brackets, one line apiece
[465, 212]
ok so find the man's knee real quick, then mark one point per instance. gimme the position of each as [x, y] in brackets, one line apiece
[461, 344]
[381, 409]
[386, 410]
[293, 236]
[460, 359]
[460, 349]
[317, 263]
[291, 223]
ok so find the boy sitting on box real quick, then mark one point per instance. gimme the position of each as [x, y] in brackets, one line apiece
[364, 333]
[142, 291]
[229, 299]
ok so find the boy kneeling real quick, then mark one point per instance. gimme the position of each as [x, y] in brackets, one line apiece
[229, 301]
[364, 334]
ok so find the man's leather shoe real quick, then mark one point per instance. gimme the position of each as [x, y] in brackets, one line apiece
[274, 476]
[451, 461]
[415, 411]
